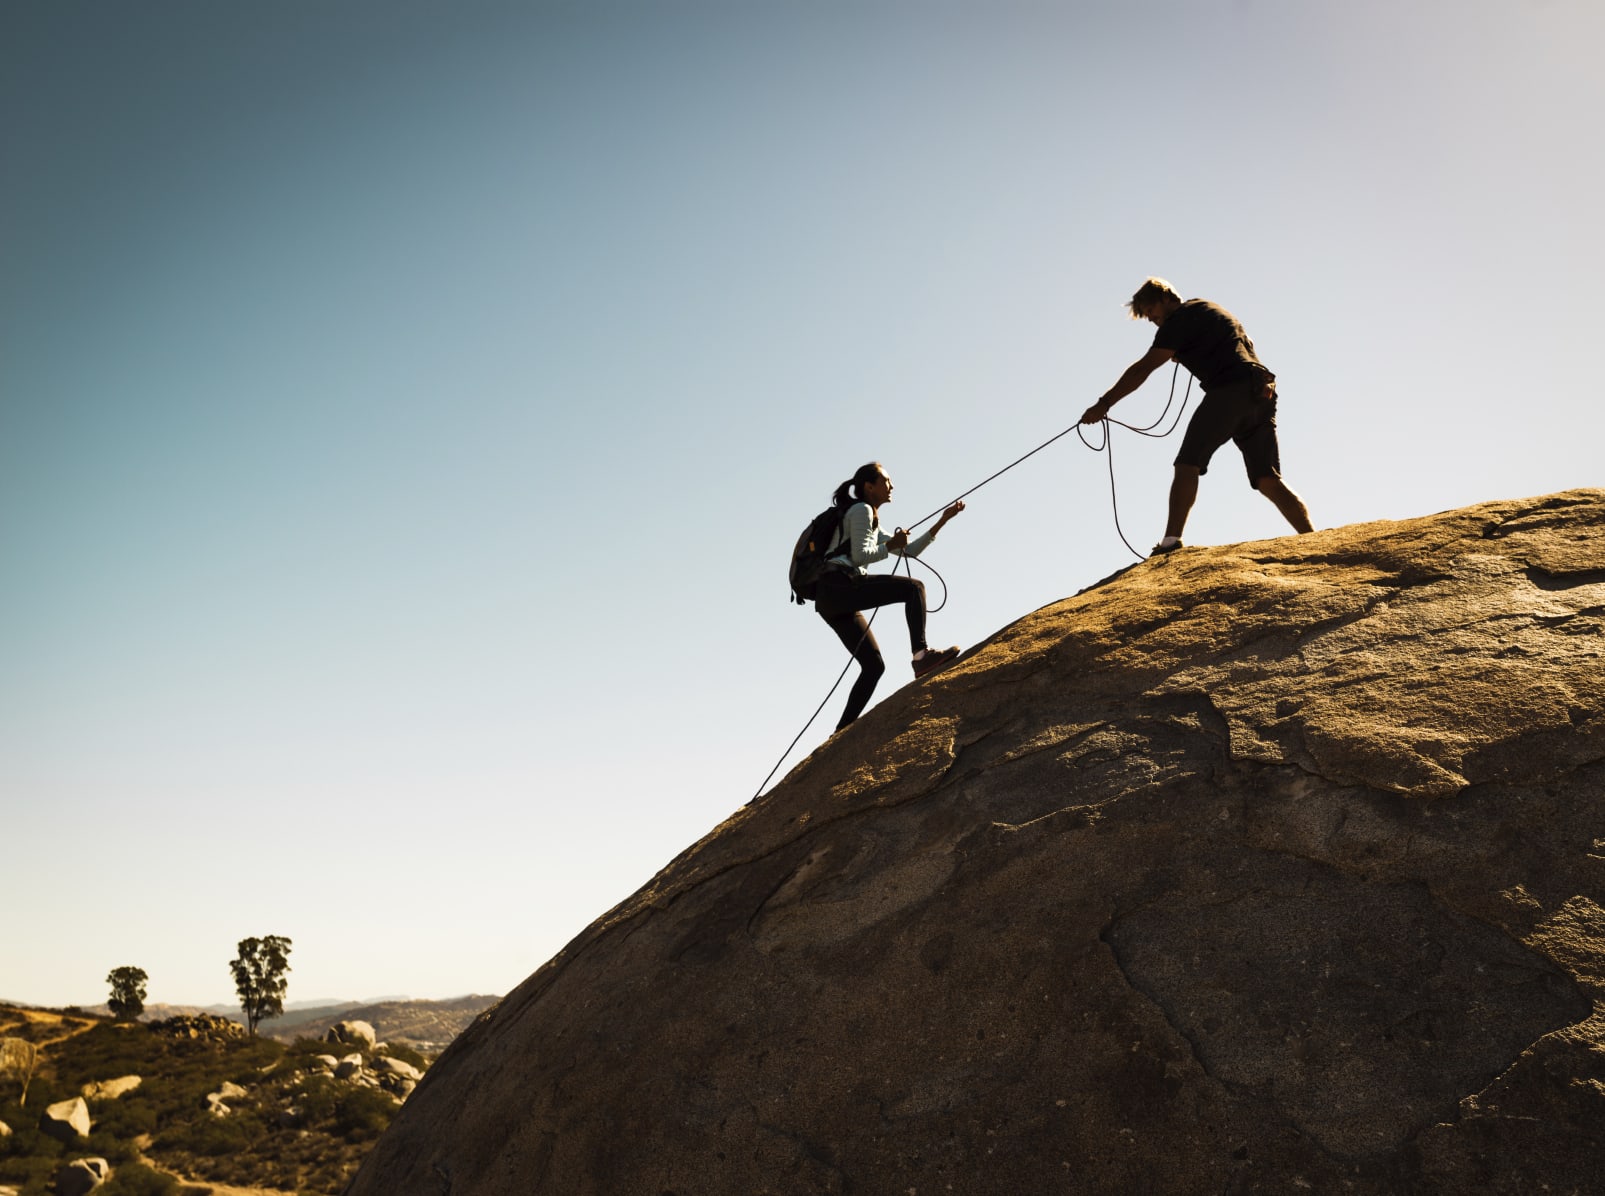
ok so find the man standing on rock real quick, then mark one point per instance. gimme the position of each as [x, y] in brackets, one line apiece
[1239, 401]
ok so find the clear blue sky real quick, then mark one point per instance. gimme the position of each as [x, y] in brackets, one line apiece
[406, 408]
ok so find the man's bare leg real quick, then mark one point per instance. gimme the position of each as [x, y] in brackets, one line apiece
[1289, 504]
[1183, 492]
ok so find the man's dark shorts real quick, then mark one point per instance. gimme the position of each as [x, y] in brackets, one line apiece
[1234, 412]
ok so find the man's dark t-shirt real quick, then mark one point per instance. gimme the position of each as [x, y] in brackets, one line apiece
[1208, 340]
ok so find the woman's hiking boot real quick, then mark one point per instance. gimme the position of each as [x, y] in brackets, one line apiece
[934, 659]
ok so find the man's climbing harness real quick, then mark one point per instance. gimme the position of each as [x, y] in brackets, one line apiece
[1106, 447]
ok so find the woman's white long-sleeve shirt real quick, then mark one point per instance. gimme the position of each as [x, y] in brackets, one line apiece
[866, 542]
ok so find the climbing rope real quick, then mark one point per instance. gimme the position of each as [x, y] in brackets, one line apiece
[1106, 447]
[1146, 430]
[851, 658]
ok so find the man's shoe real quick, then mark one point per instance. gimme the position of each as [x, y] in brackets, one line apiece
[934, 659]
[1161, 548]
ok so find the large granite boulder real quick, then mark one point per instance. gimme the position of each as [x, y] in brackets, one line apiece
[1268, 868]
[66, 1119]
[353, 1033]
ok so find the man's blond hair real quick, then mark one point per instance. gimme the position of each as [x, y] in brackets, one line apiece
[1151, 291]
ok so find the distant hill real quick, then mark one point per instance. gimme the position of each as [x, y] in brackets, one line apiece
[428, 1025]
[155, 1011]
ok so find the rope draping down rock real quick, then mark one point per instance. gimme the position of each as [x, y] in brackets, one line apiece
[1261, 868]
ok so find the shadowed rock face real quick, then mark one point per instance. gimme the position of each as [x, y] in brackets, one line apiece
[1266, 868]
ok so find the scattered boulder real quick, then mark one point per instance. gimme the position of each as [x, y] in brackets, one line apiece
[348, 1067]
[396, 1076]
[1263, 868]
[111, 1089]
[66, 1120]
[353, 1033]
[216, 1102]
[397, 1067]
[81, 1176]
[200, 1026]
[5, 1130]
[329, 1061]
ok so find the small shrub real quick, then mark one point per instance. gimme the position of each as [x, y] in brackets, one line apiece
[303, 1051]
[106, 1145]
[404, 1052]
[215, 1136]
[26, 1138]
[364, 1113]
[127, 1117]
[31, 1174]
[318, 1097]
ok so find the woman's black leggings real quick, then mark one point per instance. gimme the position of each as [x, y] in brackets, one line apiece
[841, 596]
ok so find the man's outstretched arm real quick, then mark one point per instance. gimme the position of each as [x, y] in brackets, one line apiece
[1136, 374]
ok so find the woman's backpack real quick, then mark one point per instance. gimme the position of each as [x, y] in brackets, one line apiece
[808, 558]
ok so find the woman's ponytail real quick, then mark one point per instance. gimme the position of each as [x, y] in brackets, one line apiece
[866, 473]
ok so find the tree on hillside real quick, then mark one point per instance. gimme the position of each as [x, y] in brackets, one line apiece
[19, 1059]
[127, 993]
[259, 977]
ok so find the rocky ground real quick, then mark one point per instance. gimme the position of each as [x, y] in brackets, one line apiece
[191, 1104]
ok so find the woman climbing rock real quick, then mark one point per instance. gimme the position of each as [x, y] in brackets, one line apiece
[846, 587]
